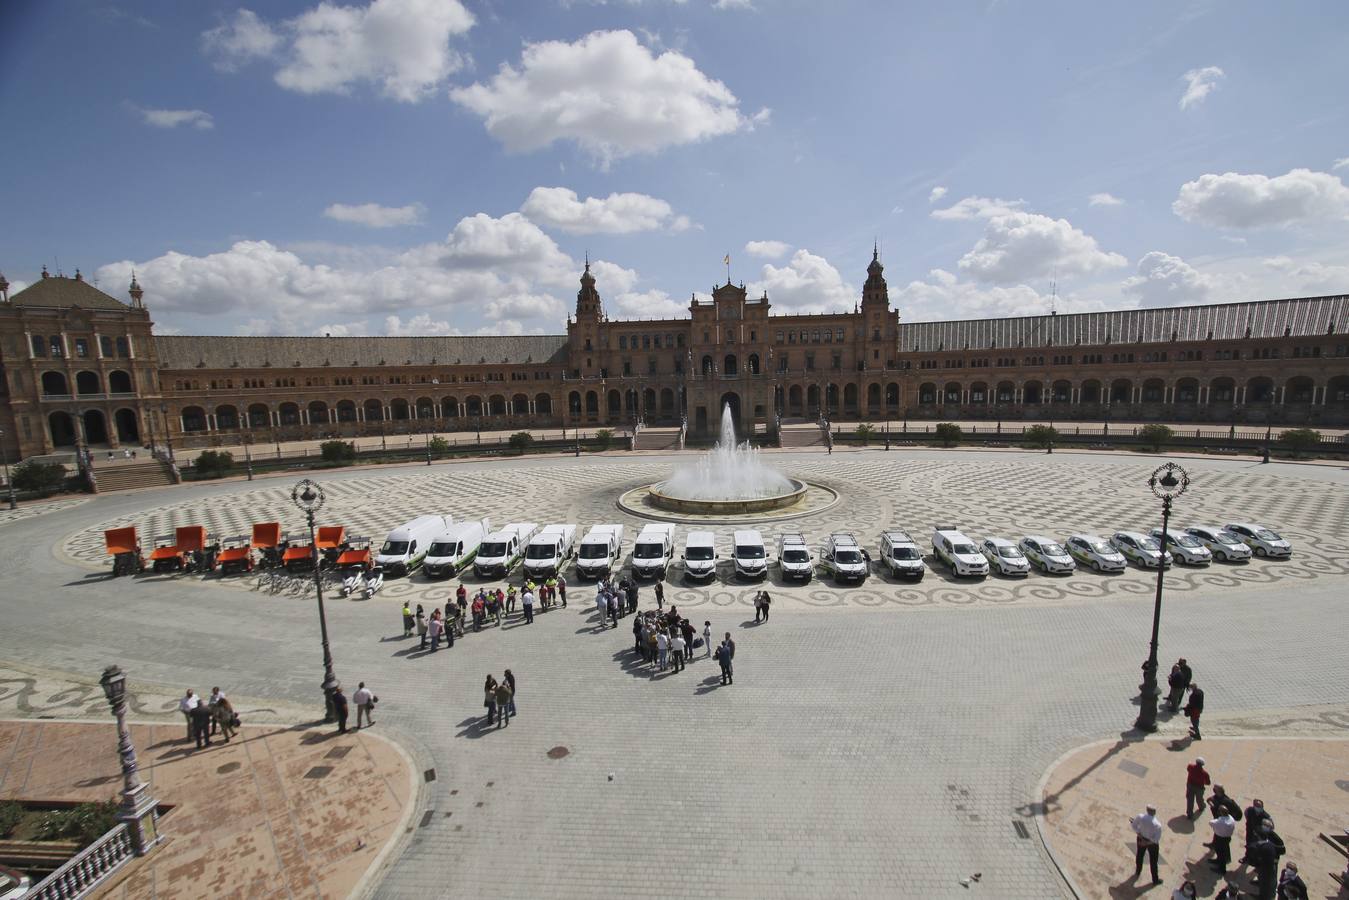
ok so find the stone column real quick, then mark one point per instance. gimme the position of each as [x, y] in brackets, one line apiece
[1281, 394]
[210, 421]
[98, 346]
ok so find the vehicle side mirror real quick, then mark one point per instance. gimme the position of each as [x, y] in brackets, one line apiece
[681, 556]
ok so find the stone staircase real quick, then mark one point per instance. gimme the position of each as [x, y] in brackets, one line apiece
[793, 436]
[657, 439]
[129, 476]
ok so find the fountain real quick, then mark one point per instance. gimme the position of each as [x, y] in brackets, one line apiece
[727, 480]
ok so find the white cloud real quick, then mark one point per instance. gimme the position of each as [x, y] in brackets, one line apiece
[1312, 277]
[1019, 245]
[768, 249]
[607, 93]
[943, 296]
[611, 278]
[242, 40]
[372, 215]
[1199, 83]
[763, 117]
[172, 118]
[1233, 200]
[732, 4]
[400, 45]
[1166, 280]
[977, 208]
[1104, 199]
[335, 329]
[808, 283]
[418, 325]
[557, 207]
[1341, 163]
[652, 304]
[937, 193]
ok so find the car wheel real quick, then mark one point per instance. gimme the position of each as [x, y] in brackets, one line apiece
[1096, 567]
[1259, 551]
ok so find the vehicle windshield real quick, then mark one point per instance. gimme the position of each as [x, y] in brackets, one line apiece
[1226, 537]
[493, 549]
[1101, 547]
[1265, 534]
[749, 551]
[541, 551]
[647, 551]
[1150, 543]
[1052, 550]
[963, 549]
[443, 548]
[594, 551]
[907, 553]
[394, 548]
[847, 556]
[1010, 553]
[795, 556]
[1184, 540]
[699, 554]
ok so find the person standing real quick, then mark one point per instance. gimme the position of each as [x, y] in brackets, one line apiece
[1264, 856]
[1291, 885]
[637, 633]
[510, 680]
[503, 704]
[1221, 803]
[1196, 781]
[1178, 681]
[601, 605]
[216, 696]
[185, 706]
[724, 661]
[490, 698]
[707, 636]
[662, 648]
[201, 724]
[758, 607]
[408, 621]
[365, 701]
[660, 595]
[527, 603]
[421, 627]
[1223, 825]
[562, 589]
[767, 601]
[340, 707]
[677, 646]
[1255, 817]
[451, 617]
[461, 595]
[435, 629]
[1194, 709]
[613, 609]
[689, 634]
[1149, 836]
[222, 716]
[632, 596]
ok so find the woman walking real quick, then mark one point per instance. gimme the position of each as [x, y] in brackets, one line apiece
[490, 698]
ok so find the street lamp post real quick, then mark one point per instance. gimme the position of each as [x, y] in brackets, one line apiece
[248, 457]
[308, 496]
[9, 483]
[1167, 482]
[139, 810]
[428, 445]
[168, 432]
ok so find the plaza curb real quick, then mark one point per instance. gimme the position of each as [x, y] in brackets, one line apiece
[393, 848]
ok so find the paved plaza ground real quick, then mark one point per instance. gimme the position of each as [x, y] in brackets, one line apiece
[885, 740]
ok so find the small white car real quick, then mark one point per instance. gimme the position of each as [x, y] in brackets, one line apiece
[1144, 550]
[1262, 541]
[901, 555]
[1095, 552]
[1004, 557]
[1047, 555]
[1185, 548]
[1223, 544]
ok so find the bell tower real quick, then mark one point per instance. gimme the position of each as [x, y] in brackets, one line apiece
[588, 306]
[874, 292]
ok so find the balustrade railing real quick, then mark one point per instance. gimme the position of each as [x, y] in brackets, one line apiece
[89, 868]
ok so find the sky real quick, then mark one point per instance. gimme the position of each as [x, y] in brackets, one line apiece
[447, 166]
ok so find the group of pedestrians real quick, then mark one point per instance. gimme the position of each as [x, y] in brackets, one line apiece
[499, 698]
[667, 640]
[616, 599]
[1180, 681]
[487, 606]
[206, 718]
[1263, 845]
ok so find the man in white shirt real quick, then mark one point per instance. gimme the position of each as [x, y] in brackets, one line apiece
[364, 699]
[1223, 825]
[216, 696]
[527, 603]
[1149, 831]
[662, 648]
[185, 706]
[677, 644]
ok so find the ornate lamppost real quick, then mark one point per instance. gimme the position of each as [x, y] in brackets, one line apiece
[1167, 482]
[168, 432]
[139, 810]
[308, 496]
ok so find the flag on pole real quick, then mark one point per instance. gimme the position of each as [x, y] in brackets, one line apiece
[727, 260]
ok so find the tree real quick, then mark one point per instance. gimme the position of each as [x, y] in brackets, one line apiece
[439, 445]
[1041, 436]
[948, 434]
[1300, 439]
[338, 451]
[1155, 436]
[521, 441]
[43, 479]
[865, 432]
[603, 438]
[214, 463]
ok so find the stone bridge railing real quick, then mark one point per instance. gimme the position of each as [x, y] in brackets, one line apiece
[89, 868]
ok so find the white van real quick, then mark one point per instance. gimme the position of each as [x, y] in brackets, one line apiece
[406, 546]
[749, 554]
[653, 550]
[700, 556]
[958, 551]
[844, 558]
[549, 550]
[502, 550]
[794, 557]
[601, 548]
[454, 548]
[901, 555]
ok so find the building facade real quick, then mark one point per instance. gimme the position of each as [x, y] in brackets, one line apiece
[80, 366]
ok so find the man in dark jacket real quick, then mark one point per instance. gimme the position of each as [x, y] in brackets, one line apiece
[1178, 680]
[340, 708]
[1291, 885]
[1264, 855]
[201, 724]
[1194, 709]
[1255, 817]
[1221, 803]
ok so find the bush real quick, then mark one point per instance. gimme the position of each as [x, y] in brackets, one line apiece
[1154, 437]
[11, 814]
[41, 478]
[521, 441]
[1041, 436]
[214, 463]
[87, 823]
[339, 451]
[865, 432]
[603, 438]
[1300, 439]
[439, 445]
[948, 434]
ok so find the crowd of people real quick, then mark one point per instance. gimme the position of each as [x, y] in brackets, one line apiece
[487, 607]
[209, 717]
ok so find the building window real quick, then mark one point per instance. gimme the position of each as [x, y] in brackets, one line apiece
[622, 342]
[816, 338]
[123, 348]
[780, 334]
[39, 345]
[840, 335]
[828, 336]
[56, 346]
[106, 343]
[646, 342]
[810, 362]
[730, 335]
[81, 348]
[753, 335]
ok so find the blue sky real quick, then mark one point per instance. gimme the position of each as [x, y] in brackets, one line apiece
[434, 166]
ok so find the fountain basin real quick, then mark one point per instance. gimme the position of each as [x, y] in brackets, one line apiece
[658, 497]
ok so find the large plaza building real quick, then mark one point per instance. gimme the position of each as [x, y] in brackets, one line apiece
[80, 366]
